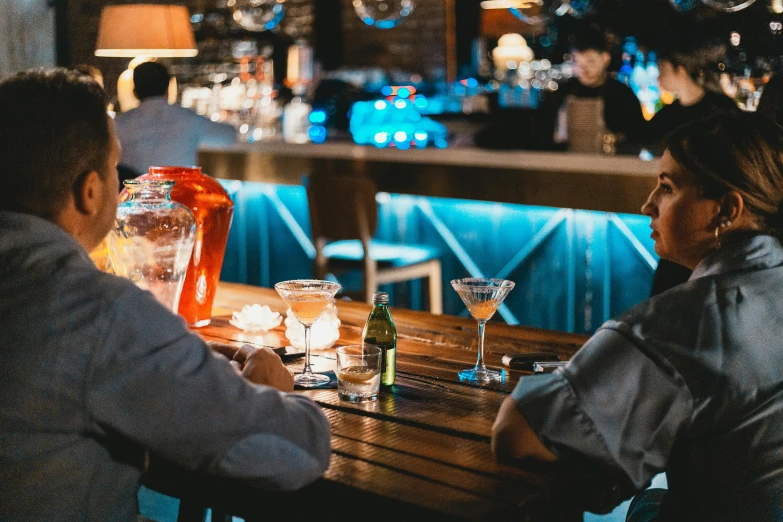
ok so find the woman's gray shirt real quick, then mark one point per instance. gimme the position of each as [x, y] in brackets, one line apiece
[691, 382]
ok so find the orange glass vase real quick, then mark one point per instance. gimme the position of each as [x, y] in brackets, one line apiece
[213, 210]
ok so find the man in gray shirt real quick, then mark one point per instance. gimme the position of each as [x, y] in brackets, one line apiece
[94, 371]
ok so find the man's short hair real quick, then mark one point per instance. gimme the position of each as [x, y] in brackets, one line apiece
[590, 38]
[54, 129]
[150, 79]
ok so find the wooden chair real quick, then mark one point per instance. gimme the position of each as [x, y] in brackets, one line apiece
[344, 216]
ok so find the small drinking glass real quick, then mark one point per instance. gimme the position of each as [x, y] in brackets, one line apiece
[308, 299]
[358, 372]
[482, 296]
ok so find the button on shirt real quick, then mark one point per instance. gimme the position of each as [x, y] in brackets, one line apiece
[158, 134]
[95, 371]
[691, 382]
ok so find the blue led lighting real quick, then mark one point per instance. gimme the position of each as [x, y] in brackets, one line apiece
[420, 102]
[317, 133]
[404, 92]
[544, 250]
[196, 18]
[317, 116]
[472, 83]
[387, 91]
[396, 124]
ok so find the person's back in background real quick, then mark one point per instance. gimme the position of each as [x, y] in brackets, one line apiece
[158, 134]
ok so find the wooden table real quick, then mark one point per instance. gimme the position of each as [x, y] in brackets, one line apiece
[424, 448]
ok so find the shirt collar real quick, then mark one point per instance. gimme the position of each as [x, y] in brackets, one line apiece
[26, 230]
[154, 101]
[755, 252]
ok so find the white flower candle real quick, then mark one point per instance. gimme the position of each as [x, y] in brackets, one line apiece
[256, 318]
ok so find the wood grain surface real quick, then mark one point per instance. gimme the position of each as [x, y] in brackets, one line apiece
[424, 447]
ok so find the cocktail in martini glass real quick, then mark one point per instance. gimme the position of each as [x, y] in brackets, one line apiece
[307, 298]
[482, 296]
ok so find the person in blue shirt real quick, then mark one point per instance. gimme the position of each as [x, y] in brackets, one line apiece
[95, 371]
[158, 134]
[689, 382]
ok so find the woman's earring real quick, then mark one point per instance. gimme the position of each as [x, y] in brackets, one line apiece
[720, 229]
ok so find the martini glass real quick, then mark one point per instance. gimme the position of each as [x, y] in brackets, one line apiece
[308, 299]
[482, 296]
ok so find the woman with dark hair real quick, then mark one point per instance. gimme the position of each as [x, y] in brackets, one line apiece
[698, 95]
[689, 381]
[696, 89]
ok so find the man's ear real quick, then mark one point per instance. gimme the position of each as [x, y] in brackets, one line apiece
[87, 193]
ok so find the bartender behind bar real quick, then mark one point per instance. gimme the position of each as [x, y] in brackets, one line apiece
[622, 112]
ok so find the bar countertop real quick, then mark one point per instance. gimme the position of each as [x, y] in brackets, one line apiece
[554, 179]
[623, 165]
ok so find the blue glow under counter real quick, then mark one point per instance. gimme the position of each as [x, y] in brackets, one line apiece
[573, 268]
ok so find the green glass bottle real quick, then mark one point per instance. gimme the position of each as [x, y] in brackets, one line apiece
[380, 331]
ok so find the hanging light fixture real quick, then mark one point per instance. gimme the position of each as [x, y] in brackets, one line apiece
[541, 12]
[684, 6]
[728, 6]
[257, 15]
[383, 14]
[510, 4]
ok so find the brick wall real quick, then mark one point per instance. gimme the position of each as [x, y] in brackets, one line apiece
[417, 45]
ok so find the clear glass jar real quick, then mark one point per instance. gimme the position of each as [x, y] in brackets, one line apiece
[212, 207]
[152, 240]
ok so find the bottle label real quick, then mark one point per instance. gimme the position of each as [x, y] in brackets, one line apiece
[385, 347]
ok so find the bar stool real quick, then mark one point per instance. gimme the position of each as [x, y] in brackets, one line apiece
[343, 210]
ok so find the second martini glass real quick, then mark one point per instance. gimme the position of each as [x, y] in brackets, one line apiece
[308, 299]
[482, 296]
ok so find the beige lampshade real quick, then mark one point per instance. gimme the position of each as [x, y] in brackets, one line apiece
[145, 29]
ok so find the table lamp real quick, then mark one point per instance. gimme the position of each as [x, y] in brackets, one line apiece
[144, 32]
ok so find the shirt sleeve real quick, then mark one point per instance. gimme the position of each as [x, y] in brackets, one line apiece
[611, 402]
[160, 386]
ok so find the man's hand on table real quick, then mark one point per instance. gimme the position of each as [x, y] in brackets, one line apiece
[263, 366]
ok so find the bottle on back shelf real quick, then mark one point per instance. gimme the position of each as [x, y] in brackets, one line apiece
[380, 331]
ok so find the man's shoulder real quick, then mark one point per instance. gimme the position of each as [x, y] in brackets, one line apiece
[615, 87]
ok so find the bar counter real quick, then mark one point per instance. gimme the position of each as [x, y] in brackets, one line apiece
[422, 450]
[555, 179]
[574, 268]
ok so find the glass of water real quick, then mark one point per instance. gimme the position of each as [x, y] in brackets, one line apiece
[358, 372]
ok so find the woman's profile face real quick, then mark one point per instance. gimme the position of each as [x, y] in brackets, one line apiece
[667, 76]
[682, 220]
